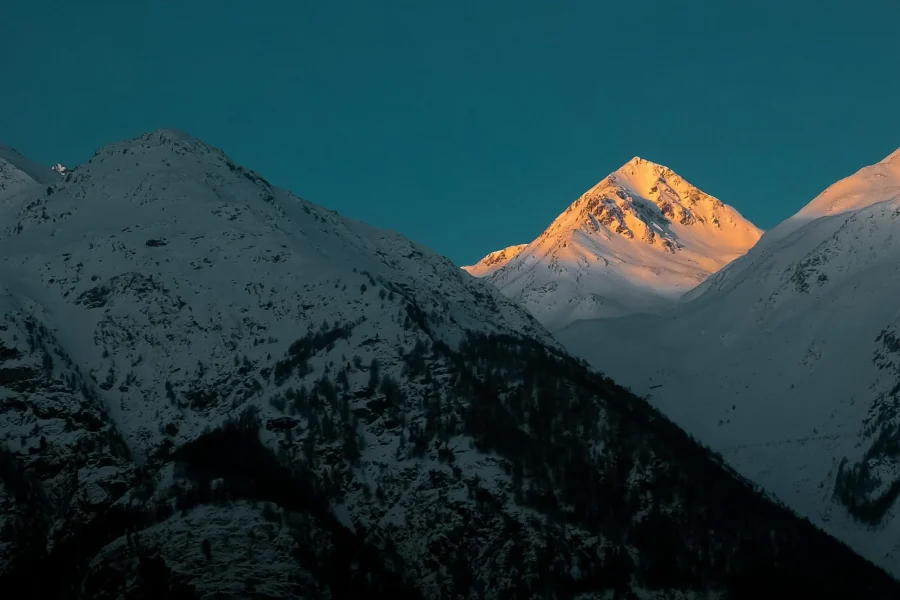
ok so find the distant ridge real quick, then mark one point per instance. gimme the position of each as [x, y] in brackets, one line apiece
[635, 242]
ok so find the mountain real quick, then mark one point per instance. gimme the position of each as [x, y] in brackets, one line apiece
[18, 172]
[787, 361]
[633, 243]
[494, 261]
[212, 388]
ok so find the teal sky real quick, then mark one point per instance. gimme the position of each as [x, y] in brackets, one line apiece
[468, 125]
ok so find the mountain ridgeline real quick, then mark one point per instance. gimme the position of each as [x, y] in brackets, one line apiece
[212, 388]
[633, 243]
[787, 361]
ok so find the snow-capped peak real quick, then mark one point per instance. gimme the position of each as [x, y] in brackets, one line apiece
[642, 170]
[494, 260]
[641, 163]
[205, 377]
[787, 361]
[638, 161]
[870, 185]
[179, 142]
[643, 200]
[634, 242]
[170, 220]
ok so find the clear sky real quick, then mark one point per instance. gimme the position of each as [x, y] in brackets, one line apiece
[468, 125]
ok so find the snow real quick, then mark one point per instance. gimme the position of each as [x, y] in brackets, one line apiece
[161, 261]
[171, 278]
[868, 186]
[36, 171]
[494, 261]
[18, 175]
[633, 243]
[162, 281]
[780, 361]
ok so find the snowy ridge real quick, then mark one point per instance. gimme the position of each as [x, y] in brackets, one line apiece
[211, 387]
[494, 261]
[868, 186]
[37, 172]
[635, 242]
[18, 173]
[787, 360]
[170, 282]
[228, 228]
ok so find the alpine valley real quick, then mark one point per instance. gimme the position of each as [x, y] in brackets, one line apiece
[787, 361]
[633, 243]
[211, 388]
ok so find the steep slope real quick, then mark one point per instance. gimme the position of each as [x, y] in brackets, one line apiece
[633, 243]
[787, 361]
[494, 261]
[18, 172]
[210, 387]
